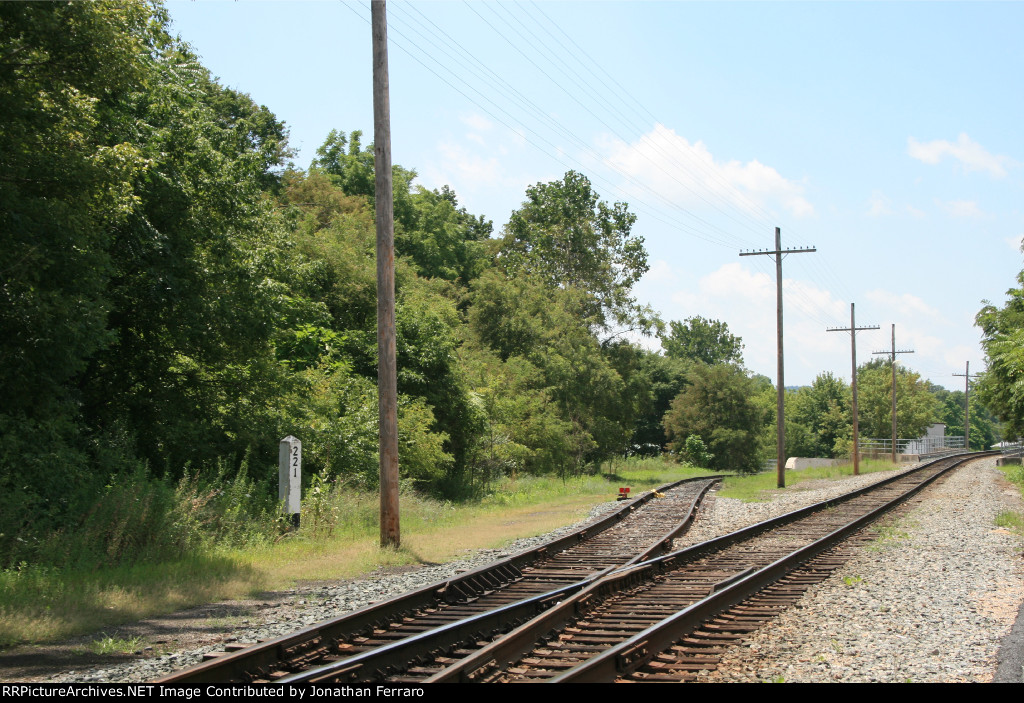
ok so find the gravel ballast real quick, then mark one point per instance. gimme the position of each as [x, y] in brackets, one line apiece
[932, 599]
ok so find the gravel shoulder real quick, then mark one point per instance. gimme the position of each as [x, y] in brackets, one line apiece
[935, 598]
[931, 600]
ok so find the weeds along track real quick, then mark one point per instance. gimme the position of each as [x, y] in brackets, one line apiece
[472, 608]
[667, 618]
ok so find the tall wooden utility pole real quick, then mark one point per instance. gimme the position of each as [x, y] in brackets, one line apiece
[387, 373]
[780, 431]
[892, 362]
[853, 329]
[967, 405]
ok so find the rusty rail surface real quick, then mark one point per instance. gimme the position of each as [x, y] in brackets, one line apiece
[493, 598]
[644, 616]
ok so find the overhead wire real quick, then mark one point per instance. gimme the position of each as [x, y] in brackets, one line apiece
[501, 121]
[620, 90]
[817, 263]
[568, 133]
[722, 238]
[573, 95]
[521, 102]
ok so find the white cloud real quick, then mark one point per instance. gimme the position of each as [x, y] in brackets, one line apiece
[1014, 243]
[955, 357]
[745, 300]
[961, 208]
[476, 122]
[660, 271]
[689, 174]
[915, 212]
[971, 155]
[905, 305]
[878, 204]
[468, 166]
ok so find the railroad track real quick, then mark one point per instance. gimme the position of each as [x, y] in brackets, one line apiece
[654, 620]
[471, 608]
[670, 617]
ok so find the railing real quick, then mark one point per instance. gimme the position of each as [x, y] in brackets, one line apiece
[923, 445]
[1013, 449]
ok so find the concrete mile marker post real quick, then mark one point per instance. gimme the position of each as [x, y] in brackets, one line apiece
[289, 477]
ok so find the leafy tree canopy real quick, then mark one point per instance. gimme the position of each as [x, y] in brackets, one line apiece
[984, 426]
[706, 341]
[916, 407]
[1001, 387]
[567, 237]
[718, 406]
[597, 388]
[818, 417]
[666, 377]
[442, 239]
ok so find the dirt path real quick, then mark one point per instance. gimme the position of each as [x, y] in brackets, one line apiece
[189, 629]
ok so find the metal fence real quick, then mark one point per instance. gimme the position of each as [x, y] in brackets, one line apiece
[922, 445]
[1015, 449]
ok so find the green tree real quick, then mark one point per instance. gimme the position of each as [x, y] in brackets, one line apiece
[1001, 387]
[352, 170]
[443, 240]
[567, 237]
[350, 167]
[719, 406]
[706, 341]
[523, 430]
[665, 378]
[334, 234]
[596, 387]
[65, 178]
[818, 417]
[984, 426]
[916, 407]
[198, 274]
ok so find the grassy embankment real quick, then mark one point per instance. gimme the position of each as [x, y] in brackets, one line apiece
[1012, 519]
[44, 604]
[760, 486]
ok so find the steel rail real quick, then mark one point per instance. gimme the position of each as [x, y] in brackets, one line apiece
[628, 656]
[506, 650]
[307, 645]
[483, 626]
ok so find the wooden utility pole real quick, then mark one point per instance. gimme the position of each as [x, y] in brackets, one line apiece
[853, 329]
[780, 430]
[892, 362]
[387, 373]
[967, 405]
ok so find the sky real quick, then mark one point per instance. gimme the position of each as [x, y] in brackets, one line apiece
[885, 135]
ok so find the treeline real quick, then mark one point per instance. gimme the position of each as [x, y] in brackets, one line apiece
[176, 297]
[1001, 387]
[721, 416]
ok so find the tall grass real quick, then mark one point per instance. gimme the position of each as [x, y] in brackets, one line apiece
[148, 545]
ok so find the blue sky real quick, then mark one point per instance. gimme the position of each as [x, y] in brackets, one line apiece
[887, 135]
